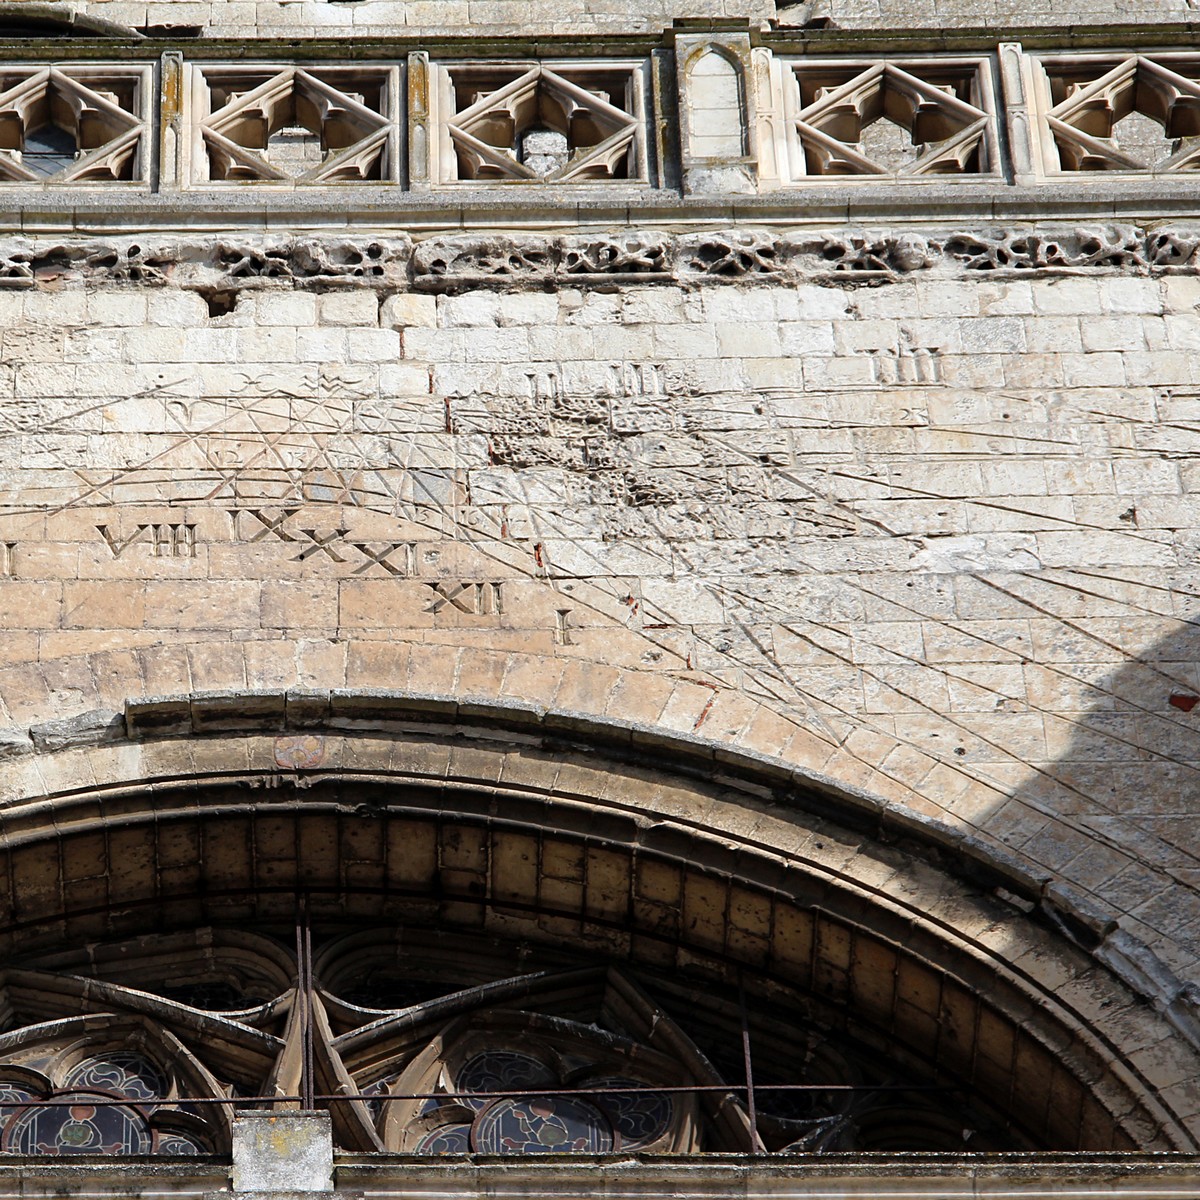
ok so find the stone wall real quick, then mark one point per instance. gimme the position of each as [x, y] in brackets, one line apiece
[940, 526]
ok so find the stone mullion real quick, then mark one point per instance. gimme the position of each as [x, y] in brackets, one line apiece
[1015, 103]
[166, 178]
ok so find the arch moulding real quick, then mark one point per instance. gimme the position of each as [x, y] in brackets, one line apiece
[658, 849]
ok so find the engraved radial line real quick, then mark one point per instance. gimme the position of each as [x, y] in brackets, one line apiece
[1050, 668]
[792, 477]
[859, 719]
[318, 440]
[347, 430]
[1047, 575]
[1044, 771]
[270, 442]
[1069, 624]
[978, 503]
[145, 464]
[1142, 583]
[228, 476]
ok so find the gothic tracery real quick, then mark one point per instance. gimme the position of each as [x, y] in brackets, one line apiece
[149, 1045]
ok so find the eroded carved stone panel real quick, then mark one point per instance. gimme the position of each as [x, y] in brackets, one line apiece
[294, 125]
[74, 123]
[540, 122]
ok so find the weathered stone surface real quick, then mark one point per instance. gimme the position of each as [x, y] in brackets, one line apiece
[282, 1153]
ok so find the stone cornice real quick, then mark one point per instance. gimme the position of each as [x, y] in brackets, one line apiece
[92, 37]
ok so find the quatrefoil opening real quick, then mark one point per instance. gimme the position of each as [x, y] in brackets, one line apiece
[57, 128]
[885, 120]
[295, 126]
[1138, 116]
[543, 126]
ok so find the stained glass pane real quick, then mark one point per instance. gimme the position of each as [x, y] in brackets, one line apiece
[641, 1118]
[542, 1125]
[502, 1071]
[13, 1096]
[123, 1072]
[82, 1127]
[171, 1142]
[377, 1089]
[446, 1139]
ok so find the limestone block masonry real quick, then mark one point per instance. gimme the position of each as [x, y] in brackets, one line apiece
[288, 1153]
[927, 533]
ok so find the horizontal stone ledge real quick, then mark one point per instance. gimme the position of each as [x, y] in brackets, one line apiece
[395, 210]
[94, 37]
[1133, 1176]
[784, 1176]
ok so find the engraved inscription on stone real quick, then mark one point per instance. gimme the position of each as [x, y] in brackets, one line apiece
[268, 524]
[562, 627]
[638, 379]
[477, 599]
[906, 362]
[320, 543]
[396, 558]
[165, 539]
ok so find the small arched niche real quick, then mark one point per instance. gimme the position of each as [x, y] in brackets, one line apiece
[715, 105]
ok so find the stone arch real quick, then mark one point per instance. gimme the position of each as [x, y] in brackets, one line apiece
[630, 843]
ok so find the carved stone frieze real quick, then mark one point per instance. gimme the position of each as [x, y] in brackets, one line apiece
[26, 263]
[739, 254]
[503, 258]
[623, 254]
[313, 259]
[506, 260]
[877, 252]
[1092, 246]
[731, 254]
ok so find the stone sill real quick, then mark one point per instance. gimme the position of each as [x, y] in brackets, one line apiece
[1152, 201]
[1132, 1176]
[116, 41]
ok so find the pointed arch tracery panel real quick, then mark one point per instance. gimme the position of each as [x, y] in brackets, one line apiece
[570, 1059]
[1136, 114]
[294, 125]
[75, 123]
[546, 122]
[102, 1085]
[889, 119]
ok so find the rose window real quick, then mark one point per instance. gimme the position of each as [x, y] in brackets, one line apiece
[418, 1043]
